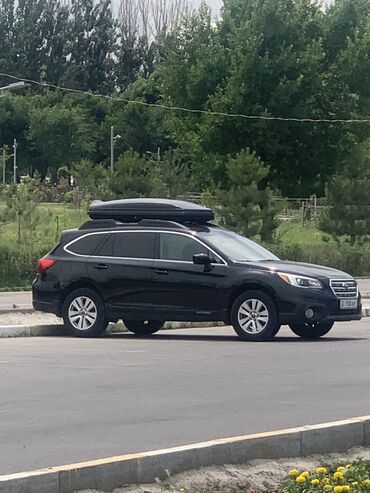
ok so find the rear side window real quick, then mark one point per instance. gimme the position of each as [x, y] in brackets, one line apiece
[86, 245]
[133, 245]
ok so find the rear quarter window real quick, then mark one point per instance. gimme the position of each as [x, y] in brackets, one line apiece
[87, 245]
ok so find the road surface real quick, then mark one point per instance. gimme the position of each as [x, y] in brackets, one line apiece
[65, 400]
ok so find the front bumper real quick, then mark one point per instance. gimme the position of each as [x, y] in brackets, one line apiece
[322, 311]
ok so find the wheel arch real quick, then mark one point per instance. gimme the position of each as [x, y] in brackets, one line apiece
[250, 286]
[78, 284]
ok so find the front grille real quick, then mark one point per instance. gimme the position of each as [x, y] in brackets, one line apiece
[344, 288]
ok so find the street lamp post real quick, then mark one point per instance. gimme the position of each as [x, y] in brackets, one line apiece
[112, 149]
[15, 160]
[113, 140]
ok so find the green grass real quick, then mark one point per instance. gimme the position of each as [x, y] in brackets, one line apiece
[54, 218]
[293, 233]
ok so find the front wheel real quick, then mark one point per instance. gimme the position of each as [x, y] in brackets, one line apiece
[313, 330]
[143, 327]
[254, 316]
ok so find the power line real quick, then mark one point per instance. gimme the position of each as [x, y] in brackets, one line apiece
[190, 110]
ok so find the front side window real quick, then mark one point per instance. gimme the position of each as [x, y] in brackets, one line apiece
[237, 247]
[180, 247]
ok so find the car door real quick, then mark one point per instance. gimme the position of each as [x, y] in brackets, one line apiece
[181, 289]
[122, 268]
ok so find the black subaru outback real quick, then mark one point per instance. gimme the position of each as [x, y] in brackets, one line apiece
[148, 261]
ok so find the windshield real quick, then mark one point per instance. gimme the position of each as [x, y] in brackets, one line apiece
[237, 247]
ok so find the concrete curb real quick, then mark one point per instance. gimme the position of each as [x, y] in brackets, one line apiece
[31, 330]
[115, 472]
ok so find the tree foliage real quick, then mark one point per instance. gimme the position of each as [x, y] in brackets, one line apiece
[246, 203]
[348, 197]
[273, 58]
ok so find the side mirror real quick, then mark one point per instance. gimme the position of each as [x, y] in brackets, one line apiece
[202, 259]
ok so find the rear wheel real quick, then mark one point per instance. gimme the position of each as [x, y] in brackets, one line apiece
[144, 327]
[84, 314]
[313, 330]
[254, 316]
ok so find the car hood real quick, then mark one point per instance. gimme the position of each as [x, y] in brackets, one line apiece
[311, 270]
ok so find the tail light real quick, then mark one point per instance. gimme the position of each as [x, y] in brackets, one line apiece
[44, 264]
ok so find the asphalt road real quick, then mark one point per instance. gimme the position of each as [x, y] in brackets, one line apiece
[23, 299]
[65, 400]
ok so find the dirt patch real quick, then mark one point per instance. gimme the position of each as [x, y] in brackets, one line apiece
[266, 476]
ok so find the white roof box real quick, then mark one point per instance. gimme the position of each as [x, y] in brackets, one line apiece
[133, 210]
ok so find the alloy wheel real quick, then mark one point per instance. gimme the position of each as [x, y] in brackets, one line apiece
[253, 316]
[82, 313]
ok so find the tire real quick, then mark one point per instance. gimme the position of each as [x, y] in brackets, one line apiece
[254, 316]
[84, 314]
[143, 327]
[311, 330]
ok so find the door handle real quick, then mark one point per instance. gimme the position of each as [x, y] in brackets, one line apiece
[161, 272]
[101, 266]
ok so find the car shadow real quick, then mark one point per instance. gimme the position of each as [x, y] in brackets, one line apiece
[225, 338]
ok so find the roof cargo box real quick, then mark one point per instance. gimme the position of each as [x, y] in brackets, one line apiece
[132, 210]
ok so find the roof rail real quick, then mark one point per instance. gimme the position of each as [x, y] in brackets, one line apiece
[112, 224]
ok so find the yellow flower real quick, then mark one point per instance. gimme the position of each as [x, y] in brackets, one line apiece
[355, 483]
[338, 475]
[326, 481]
[328, 487]
[338, 489]
[345, 488]
[305, 474]
[293, 472]
[315, 482]
[341, 468]
[301, 479]
[366, 482]
[321, 470]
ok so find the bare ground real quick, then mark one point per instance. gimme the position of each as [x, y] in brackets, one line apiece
[265, 476]
[32, 318]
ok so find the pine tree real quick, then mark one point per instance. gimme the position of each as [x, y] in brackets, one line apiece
[246, 203]
[348, 198]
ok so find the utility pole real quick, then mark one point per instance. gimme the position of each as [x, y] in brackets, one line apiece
[15, 161]
[4, 164]
[112, 149]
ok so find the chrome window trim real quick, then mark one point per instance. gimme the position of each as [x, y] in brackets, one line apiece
[188, 235]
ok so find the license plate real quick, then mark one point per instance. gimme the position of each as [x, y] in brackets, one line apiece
[348, 304]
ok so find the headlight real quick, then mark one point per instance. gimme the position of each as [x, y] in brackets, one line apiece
[300, 281]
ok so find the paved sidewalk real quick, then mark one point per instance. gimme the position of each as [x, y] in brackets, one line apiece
[22, 300]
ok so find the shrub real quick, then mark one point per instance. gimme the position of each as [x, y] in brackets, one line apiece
[352, 259]
[354, 478]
